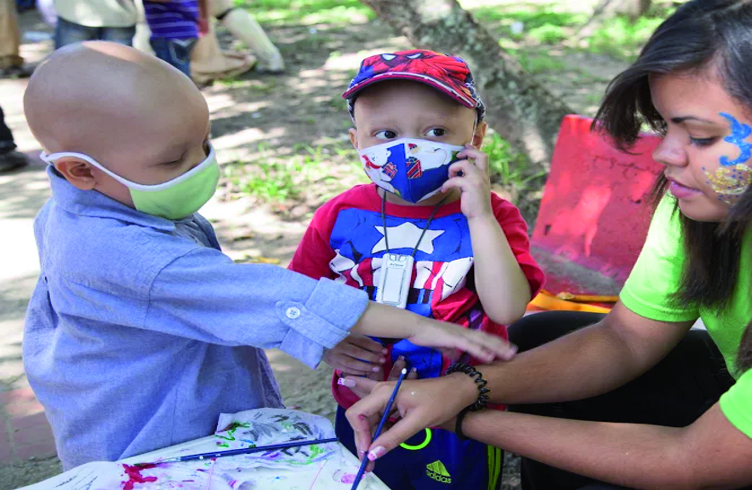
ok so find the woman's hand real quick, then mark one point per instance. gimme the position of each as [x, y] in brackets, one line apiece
[420, 404]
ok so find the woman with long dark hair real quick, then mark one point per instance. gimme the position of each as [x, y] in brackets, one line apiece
[635, 398]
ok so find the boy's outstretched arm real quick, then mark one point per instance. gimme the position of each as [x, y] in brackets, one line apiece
[388, 321]
[502, 286]
[204, 296]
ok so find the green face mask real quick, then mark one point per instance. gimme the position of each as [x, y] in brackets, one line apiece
[174, 199]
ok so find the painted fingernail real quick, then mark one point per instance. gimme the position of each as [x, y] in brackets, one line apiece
[346, 382]
[376, 369]
[382, 360]
[512, 351]
[376, 453]
[414, 370]
[401, 358]
[362, 417]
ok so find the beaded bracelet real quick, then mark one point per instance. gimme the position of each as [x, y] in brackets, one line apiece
[482, 401]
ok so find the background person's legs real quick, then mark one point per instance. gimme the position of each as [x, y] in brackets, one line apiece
[176, 52]
[9, 157]
[11, 63]
[71, 33]
[673, 393]
[243, 26]
[120, 35]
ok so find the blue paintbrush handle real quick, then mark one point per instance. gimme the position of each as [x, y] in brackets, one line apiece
[388, 409]
[248, 450]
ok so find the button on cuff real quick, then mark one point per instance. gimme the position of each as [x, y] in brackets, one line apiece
[299, 318]
[292, 312]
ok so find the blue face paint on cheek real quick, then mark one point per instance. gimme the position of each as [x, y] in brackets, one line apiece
[739, 132]
[733, 177]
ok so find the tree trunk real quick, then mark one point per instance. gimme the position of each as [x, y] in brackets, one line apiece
[634, 9]
[522, 111]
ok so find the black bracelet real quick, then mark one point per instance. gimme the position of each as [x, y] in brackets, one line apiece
[458, 424]
[482, 401]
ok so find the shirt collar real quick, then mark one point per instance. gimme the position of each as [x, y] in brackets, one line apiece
[95, 204]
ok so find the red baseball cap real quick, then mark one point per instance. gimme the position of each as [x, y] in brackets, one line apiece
[448, 74]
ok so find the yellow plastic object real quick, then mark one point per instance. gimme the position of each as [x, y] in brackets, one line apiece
[547, 301]
[586, 298]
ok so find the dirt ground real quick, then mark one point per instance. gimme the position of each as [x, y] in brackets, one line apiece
[290, 133]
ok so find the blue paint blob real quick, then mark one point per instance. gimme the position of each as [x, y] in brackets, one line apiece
[739, 132]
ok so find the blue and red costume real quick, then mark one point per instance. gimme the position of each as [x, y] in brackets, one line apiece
[345, 242]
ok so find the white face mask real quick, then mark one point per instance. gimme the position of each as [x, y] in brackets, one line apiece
[174, 199]
[413, 169]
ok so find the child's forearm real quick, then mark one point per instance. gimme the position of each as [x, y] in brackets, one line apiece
[386, 321]
[503, 289]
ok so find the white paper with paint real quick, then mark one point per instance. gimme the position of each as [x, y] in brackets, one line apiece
[330, 467]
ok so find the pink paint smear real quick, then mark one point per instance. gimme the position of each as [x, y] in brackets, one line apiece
[134, 475]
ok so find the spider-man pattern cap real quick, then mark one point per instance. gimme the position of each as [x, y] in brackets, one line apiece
[449, 74]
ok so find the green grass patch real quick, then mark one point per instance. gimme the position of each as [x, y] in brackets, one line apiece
[535, 17]
[507, 166]
[540, 63]
[307, 11]
[621, 38]
[275, 179]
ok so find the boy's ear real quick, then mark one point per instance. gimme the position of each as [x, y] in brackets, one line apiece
[480, 134]
[354, 138]
[77, 172]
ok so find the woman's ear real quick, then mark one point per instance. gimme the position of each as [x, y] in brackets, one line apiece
[77, 172]
[480, 134]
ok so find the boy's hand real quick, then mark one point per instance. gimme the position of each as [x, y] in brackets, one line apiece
[357, 355]
[470, 176]
[448, 336]
[363, 388]
[387, 321]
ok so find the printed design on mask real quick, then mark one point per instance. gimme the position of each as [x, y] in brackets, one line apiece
[733, 177]
[379, 169]
[410, 168]
[414, 170]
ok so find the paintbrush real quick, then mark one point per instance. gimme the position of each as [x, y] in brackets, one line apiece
[247, 450]
[388, 409]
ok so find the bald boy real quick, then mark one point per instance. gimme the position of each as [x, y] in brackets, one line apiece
[140, 332]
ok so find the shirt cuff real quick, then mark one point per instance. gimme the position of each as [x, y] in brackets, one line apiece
[323, 321]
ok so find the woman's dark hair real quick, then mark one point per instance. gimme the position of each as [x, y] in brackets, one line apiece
[700, 35]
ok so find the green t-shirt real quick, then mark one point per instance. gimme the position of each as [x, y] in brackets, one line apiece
[657, 275]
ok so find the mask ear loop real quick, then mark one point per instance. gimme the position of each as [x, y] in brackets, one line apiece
[209, 160]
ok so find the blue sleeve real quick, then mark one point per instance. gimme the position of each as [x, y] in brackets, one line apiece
[204, 296]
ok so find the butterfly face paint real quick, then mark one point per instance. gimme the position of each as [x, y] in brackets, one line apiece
[733, 177]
